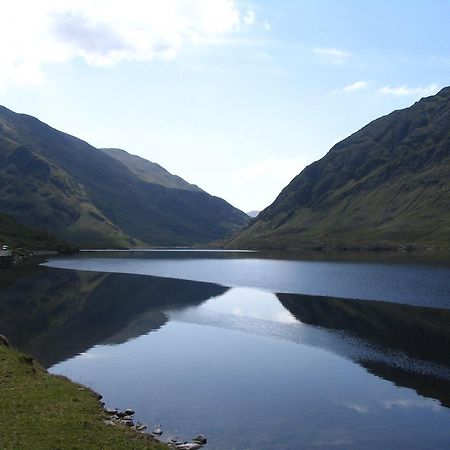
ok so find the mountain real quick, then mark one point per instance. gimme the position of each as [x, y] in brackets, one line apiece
[16, 235]
[101, 198]
[386, 186]
[149, 171]
[253, 213]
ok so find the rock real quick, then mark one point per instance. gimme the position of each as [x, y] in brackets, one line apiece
[198, 442]
[129, 412]
[127, 417]
[200, 439]
[109, 422]
[128, 423]
[157, 430]
[189, 446]
[111, 412]
[120, 414]
[176, 444]
[4, 341]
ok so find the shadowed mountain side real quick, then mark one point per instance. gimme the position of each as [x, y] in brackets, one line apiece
[419, 333]
[386, 186]
[56, 314]
[51, 180]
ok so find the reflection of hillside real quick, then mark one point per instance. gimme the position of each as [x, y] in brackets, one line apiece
[55, 314]
[417, 332]
[424, 384]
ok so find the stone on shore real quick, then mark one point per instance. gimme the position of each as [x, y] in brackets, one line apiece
[189, 446]
[200, 439]
[4, 341]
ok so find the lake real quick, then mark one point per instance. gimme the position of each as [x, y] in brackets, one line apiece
[254, 350]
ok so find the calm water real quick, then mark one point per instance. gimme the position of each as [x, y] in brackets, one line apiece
[253, 351]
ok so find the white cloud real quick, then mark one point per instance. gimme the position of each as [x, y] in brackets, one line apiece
[281, 168]
[431, 89]
[249, 17]
[266, 25]
[357, 86]
[266, 178]
[332, 55]
[105, 32]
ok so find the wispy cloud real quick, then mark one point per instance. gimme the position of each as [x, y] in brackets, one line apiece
[266, 25]
[431, 89]
[106, 33]
[356, 86]
[249, 17]
[332, 55]
[276, 173]
[283, 168]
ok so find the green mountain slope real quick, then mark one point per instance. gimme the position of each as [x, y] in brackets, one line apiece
[149, 171]
[16, 235]
[55, 181]
[386, 186]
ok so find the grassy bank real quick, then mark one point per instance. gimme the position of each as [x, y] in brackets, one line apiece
[43, 411]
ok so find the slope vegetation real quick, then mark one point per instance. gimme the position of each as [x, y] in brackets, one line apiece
[16, 235]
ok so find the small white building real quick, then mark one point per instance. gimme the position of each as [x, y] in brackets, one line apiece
[4, 250]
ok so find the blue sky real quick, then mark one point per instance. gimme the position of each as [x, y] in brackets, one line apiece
[235, 96]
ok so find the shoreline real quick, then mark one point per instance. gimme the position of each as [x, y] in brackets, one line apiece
[39, 409]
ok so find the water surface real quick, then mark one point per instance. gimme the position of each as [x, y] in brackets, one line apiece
[417, 284]
[254, 352]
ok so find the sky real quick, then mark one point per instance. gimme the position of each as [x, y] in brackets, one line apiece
[234, 96]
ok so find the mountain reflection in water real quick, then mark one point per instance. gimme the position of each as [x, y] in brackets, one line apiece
[57, 314]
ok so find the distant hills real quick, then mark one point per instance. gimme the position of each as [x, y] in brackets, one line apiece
[386, 186]
[253, 213]
[101, 198]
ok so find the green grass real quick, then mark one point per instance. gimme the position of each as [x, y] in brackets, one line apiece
[43, 411]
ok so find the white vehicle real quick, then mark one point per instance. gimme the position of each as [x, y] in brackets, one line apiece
[5, 247]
